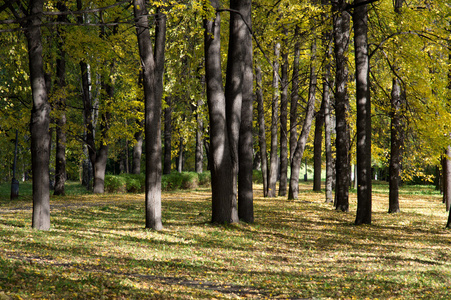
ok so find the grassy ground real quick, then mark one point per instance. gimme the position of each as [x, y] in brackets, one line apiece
[97, 248]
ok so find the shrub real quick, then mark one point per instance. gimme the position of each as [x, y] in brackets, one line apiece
[190, 180]
[257, 176]
[204, 178]
[115, 184]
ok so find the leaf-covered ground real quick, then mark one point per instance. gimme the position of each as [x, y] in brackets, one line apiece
[98, 248]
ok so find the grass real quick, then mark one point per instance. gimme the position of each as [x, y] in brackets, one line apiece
[97, 248]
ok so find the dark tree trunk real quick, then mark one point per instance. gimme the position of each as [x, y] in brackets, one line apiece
[40, 120]
[137, 152]
[167, 136]
[223, 201]
[284, 119]
[317, 148]
[294, 96]
[273, 161]
[296, 161]
[341, 40]
[152, 119]
[60, 159]
[261, 129]
[245, 150]
[396, 146]
[364, 188]
[199, 155]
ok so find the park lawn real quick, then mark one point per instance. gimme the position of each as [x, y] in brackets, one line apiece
[97, 248]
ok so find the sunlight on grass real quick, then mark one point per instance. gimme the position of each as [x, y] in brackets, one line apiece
[98, 248]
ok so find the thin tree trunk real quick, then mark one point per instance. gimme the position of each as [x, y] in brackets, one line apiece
[245, 149]
[220, 162]
[273, 161]
[261, 129]
[40, 120]
[296, 161]
[284, 119]
[294, 96]
[60, 156]
[317, 148]
[341, 40]
[137, 152]
[199, 155]
[152, 119]
[447, 178]
[167, 136]
[328, 127]
[364, 189]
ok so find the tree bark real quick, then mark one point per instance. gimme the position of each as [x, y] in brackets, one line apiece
[296, 161]
[261, 129]
[294, 96]
[447, 178]
[199, 155]
[167, 136]
[284, 119]
[40, 120]
[245, 149]
[220, 156]
[152, 119]
[341, 40]
[60, 156]
[317, 148]
[273, 161]
[364, 188]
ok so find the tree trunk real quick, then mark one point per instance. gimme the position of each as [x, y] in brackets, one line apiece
[364, 189]
[199, 155]
[245, 150]
[179, 158]
[152, 119]
[294, 96]
[261, 129]
[220, 163]
[137, 152]
[341, 40]
[284, 119]
[40, 120]
[296, 161]
[396, 145]
[447, 178]
[273, 161]
[328, 125]
[60, 157]
[317, 148]
[167, 136]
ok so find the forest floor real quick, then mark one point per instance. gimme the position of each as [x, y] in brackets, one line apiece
[97, 248]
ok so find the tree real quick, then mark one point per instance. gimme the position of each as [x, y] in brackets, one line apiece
[364, 199]
[40, 119]
[341, 40]
[152, 119]
[261, 129]
[224, 208]
[284, 117]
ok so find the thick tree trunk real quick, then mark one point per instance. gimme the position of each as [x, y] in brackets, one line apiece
[396, 145]
[273, 161]
[296, 161]
[341, 40]
[40, 120]
[364, 189]
[167, 136]
[220, 163]
[317, 148]
[284, 119]
[60, 156]
[245, 150]
[261, 129]
[152, 119]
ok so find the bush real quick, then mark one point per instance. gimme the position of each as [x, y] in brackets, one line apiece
[204, 178]
[257, 176]
[190, 180]
[115, 184]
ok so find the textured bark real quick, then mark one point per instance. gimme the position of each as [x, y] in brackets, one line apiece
[328, 126]
[284, 119]
[40, 120]
[273, 161]
[317, 148]
[199, 155]
[60, 155]
[293, 189]
[447, 178]
[364, 188]
[220, 157]
[294, 96]
[245, 149]
[261, 129]
[396, 146]
[167, 136]
[152, 119]
[137, 153]
[341, 40]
